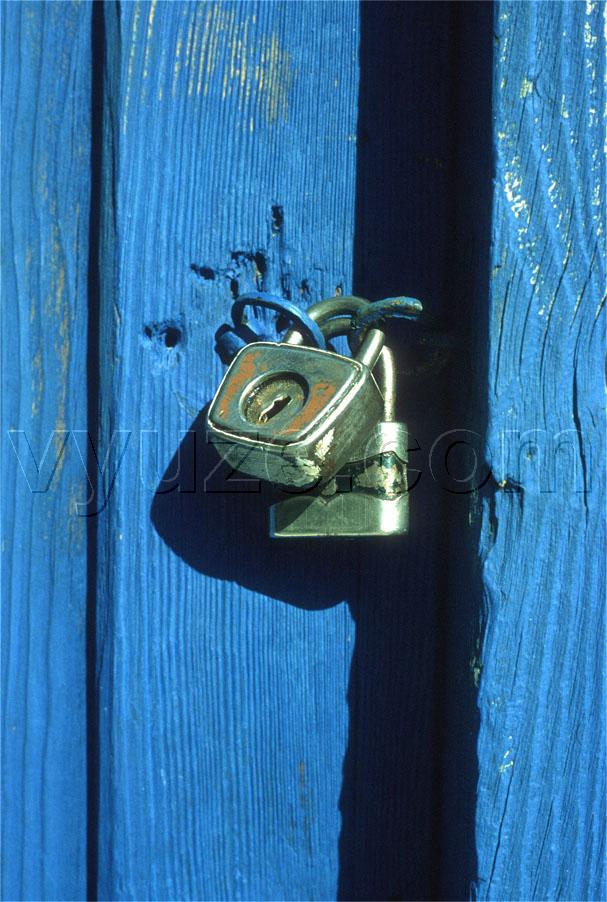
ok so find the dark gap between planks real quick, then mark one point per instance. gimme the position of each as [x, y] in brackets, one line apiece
[423, 206]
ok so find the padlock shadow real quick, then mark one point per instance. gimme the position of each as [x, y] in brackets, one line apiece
[389, 585]
[218, 524]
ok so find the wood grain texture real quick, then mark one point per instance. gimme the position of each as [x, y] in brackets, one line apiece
[299, 722]
[541, 813]
[45, 213]
[222, 695]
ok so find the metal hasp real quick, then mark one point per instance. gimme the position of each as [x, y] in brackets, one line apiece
[367, 498]
[318, 424]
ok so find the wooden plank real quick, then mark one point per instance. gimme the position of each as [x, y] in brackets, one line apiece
[541, 816]
[45, 210]
[223, 669]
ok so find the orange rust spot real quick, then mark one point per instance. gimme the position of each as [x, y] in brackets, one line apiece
[246, 370]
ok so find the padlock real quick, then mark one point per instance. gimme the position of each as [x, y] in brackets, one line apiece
[369, 497]
[316, 422]
[297, 414]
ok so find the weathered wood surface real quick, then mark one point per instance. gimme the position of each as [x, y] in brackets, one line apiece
[541, 799]
[45, 222]
[257, 736]
[230, 152]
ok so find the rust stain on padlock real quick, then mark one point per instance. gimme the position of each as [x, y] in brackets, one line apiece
[232, 390]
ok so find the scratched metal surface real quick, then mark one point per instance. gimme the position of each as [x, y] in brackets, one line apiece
[45, 211]
[541, 797]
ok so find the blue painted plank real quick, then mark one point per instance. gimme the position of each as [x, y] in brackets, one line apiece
[541, 809]
[223, 669]
[45, 222]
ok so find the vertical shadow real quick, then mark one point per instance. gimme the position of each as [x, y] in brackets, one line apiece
[93, 419]
[423, 205]
[105, 75]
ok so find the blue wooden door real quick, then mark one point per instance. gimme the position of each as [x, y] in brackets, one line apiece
[190, 710]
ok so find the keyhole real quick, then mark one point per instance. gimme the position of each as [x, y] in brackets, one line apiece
[274, 408]
[275, 399]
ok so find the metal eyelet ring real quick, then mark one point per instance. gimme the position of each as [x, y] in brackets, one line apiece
[310, 331]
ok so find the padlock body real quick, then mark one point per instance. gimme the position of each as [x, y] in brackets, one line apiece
[298, 414]
[369, 498]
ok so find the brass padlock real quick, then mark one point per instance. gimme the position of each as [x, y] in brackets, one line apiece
[298, 414]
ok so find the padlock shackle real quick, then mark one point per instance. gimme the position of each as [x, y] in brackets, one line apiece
[387, 383]
[305, 325]
[337, 311]
[371, 347]
[348, 304]
[373, 351]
